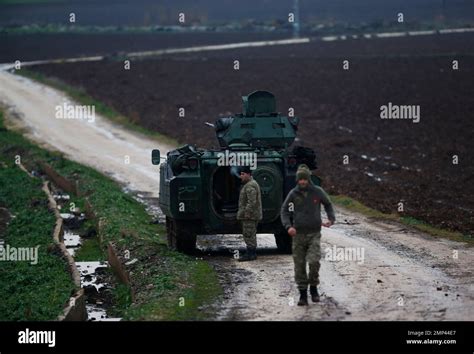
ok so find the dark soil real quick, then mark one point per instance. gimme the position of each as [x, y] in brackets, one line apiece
[340, 111]
[66, 45]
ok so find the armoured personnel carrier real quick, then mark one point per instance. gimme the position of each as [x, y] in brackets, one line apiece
[199, 188]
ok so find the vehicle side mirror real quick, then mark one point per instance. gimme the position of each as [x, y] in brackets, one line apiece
[155, 157]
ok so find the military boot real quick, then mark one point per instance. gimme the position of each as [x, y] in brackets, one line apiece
[303, 298]
[250, 255]
[313, 290]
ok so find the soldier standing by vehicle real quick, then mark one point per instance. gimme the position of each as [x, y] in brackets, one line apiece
[301, 217]
[249, 213]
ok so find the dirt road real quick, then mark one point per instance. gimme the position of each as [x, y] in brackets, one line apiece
[404, 275]
[395, 273]
[94, 142]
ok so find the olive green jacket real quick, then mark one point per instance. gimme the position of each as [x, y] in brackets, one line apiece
[250, 202]
[302, 209]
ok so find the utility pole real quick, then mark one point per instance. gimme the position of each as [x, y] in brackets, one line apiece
[443, 11]
[296, 23]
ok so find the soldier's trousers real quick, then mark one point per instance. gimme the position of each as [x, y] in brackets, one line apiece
[249, 231]
[307, 249]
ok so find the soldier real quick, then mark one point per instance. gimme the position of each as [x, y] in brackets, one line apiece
[301, 217]
[250, 212]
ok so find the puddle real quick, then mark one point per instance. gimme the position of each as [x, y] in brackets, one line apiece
[228, 244]
[66, 216]
[96, 288]
[59, 196]
[371, 175]
[89, 276]
[96, 313]
[72, 242]
[150, 203]
[93, 273]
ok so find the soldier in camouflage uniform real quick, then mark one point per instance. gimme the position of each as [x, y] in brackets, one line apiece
[301, 217]
[250, 212]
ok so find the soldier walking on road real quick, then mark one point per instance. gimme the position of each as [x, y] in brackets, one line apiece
[249, 213]
[301, 217]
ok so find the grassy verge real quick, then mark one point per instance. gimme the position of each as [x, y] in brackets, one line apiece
[356, 206]
[161, 279]
[29, 291]
[81, 96]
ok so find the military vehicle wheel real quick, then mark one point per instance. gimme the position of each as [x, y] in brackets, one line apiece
[283, 241]
[181, 236]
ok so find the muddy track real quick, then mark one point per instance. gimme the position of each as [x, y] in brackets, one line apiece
[405, 275]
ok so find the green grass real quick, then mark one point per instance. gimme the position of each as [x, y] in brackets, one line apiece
[81, 96]
[183, 300]
[90, 250]
[122, 299]
[27, 291]
[356, 206]
[30, 292]
[160, 276]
